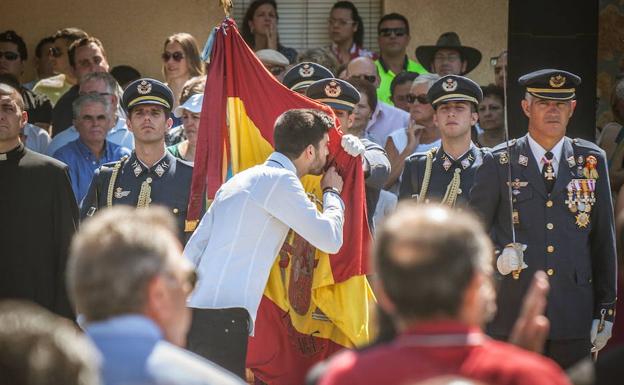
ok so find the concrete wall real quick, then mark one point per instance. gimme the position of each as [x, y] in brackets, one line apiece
[133, 31]
[481, 24]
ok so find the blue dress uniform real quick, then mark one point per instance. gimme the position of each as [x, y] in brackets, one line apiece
[130, 182]
[569, 233]
[341, 95]
[434, 175]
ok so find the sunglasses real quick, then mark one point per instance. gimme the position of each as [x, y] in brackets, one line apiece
[368, 78]
[10, 56]
[422, 99]
[177, 56]
[387, 32]
[276, 70]
[55, 52]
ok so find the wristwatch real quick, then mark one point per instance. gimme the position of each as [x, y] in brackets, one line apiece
[331, 190]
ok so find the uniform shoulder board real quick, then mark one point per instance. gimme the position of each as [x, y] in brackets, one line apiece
[111, 165]
[184, 163]
[586, 143]
[503, 146]
[423, 154]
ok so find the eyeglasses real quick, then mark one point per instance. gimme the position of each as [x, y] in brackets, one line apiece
[387, 32]
[177, 56]
[339, 22]
[368, 78]
[95, 93]
[10, 56]
[276, 70]
[189, 279]
[422, 99]
[55, 52]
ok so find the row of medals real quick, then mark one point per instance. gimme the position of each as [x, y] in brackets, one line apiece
[581, 196]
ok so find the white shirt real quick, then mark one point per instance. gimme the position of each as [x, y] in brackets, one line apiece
[384, 121]
[239, 237]
[539, 151]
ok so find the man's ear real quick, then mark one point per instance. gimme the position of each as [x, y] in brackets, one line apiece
[24, 119]
[525, 107]
[474, 118]
[169, 123]
[382, 297]
[573, 105]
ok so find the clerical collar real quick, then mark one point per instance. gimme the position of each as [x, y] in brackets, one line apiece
[16, 153]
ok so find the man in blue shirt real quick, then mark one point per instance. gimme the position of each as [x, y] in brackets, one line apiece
[85, 154]
[105, 85]
[129, 282]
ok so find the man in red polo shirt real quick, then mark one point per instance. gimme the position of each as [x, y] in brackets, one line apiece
[434, 271]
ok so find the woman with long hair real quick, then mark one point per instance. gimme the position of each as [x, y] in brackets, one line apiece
[260, 28]
[181, 62]
[346, 32]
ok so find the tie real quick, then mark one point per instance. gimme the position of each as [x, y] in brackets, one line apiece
[548, 171]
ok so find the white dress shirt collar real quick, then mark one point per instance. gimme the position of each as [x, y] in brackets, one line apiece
[277, 159]
[539, 151]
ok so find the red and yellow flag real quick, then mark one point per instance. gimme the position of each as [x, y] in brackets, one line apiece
[314, 303]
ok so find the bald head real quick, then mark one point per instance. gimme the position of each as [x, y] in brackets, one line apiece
[364, 68]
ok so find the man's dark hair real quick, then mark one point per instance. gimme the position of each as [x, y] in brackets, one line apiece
[39, 47]
[494, 91]
[125, 74]
[394, 16]
[70, 34]
[367, 88]
[402, 78]
[71, 52]
[40, 348]
[297, 129]
[358, 37]
[12, 37]
[427, 255]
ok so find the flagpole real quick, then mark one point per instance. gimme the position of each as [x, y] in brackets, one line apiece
[227, 6]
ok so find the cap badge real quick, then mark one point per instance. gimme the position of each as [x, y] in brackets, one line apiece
[332, 89]
[306, 71]
[557, 81]
[449, 85]
[144, 87]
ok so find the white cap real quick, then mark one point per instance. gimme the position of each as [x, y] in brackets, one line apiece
[193, 104]
[271, 56]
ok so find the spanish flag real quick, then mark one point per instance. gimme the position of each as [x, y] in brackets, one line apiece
[314, 303]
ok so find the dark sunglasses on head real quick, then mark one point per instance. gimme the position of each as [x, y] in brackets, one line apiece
[386, 32]
[368, 78]
[422, 99]
[177, 56]
[55, 52]
[10, 56]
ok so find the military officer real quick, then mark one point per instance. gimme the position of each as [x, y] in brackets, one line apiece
[342, 97]
[446, 174]
[562, 216]
[150, 175]
[300, 76]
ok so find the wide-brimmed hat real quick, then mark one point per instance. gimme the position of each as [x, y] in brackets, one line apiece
[448, 40]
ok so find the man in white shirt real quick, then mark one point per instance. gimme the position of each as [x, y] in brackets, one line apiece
[238, 239]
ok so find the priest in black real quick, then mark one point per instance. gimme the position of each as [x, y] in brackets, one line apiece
[39, 215]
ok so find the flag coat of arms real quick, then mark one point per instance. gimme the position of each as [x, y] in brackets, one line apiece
[314, 303]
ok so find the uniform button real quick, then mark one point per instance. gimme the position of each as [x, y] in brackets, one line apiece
[175, 211]
[549, 203]
[227, 330]
[610, 312]
[550, 248]
[550, 272]
[550, 226]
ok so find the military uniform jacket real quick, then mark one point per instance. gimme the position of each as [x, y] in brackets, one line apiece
[169, 183]
[579, 260]
[442, 171]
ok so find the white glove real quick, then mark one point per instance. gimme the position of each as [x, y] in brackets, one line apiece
[512, 258]
[599, 339]
[352, 145]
